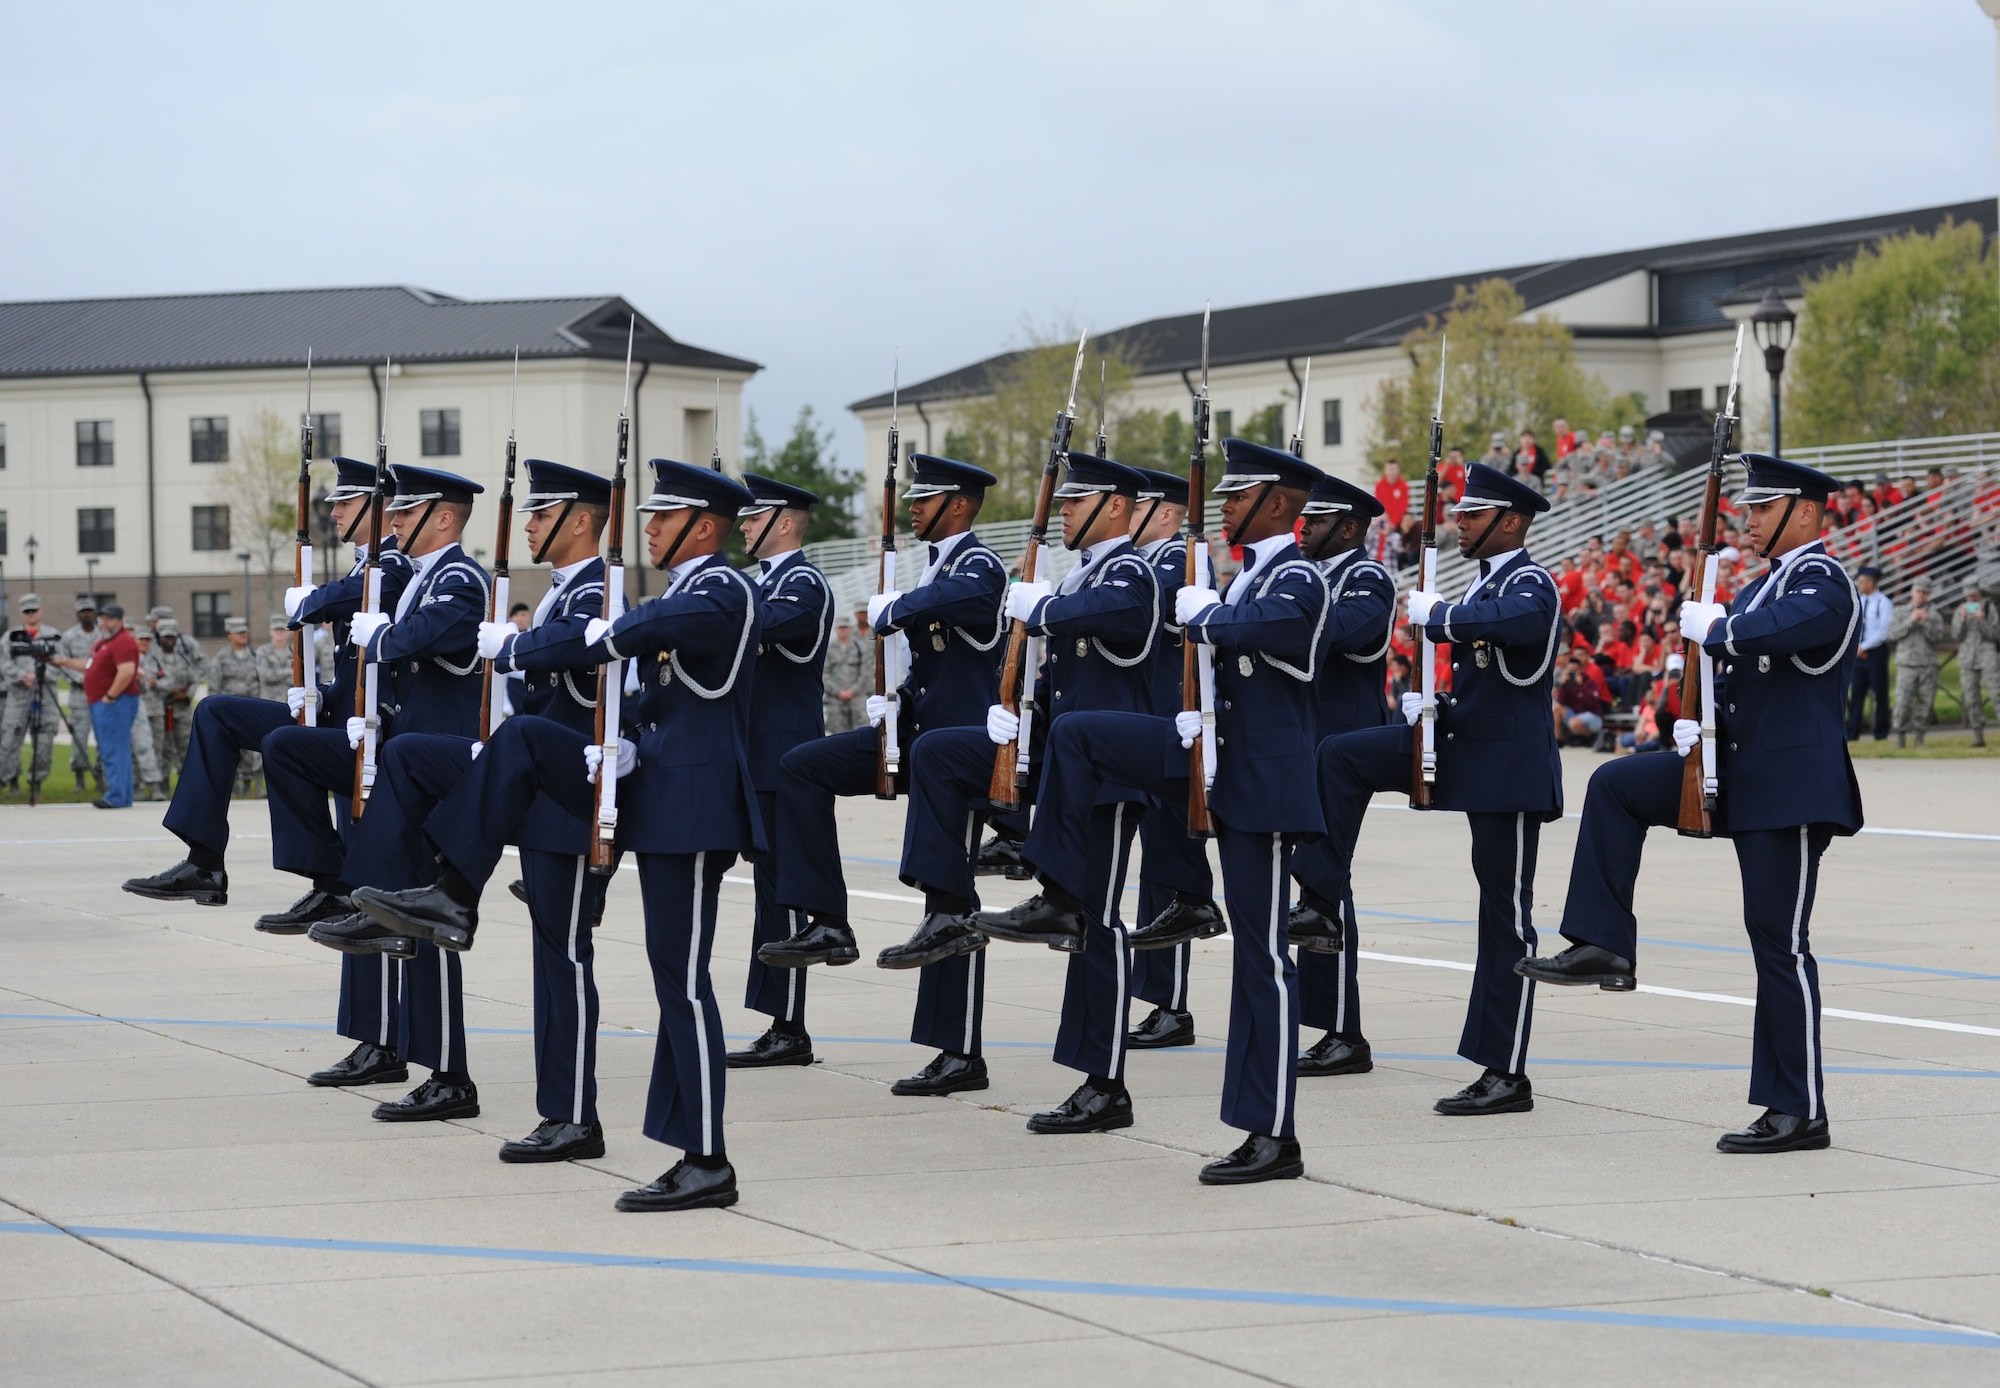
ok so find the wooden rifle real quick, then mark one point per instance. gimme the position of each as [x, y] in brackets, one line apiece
[305, 673]
[1700, 779]
[490, 712]
[1423, 760]
[367, 706]
[1198, 660]
[1017, 671]
[888, 752]
[611, 674]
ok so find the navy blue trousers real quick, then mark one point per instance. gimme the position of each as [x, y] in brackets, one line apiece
[1500, 1013]
[225, 726]
[565, 901]
[1329, 984]
[684, 1100]
[1170, 861]
[1871, 677]
[302, 768]
[951, 996]
[1780, 871]
[777, 993]
[1074, 844]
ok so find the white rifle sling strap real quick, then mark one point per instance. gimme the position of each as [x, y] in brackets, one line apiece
[892, 675]
[1031, 662]
[372, 719]
[614, 696]
[1710, 782]
[1427, 721]
[1205, 666]
[497, 611]
[308, 652]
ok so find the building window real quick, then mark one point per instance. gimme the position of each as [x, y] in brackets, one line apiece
[1225, 423]
[96, 529]
[93, 443]
[3, 445]
[211, 610]
[211, 527]
[1684, 399]
[3, 532]
[1721, 395]
[208, 438]
[440, 433]
[1329, 423]
[326, 435]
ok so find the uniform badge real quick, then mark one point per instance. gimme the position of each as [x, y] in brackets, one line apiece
[666, 670]
[1243, 666]
[1082, 646]
[1763, 665]
[937, 641]
[1479, 656]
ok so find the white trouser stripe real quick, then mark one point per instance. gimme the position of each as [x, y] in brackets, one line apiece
[1277, 945]
[1181, 953]
[1799, 967]
[694, 997]
[1521, 934]
[386, 964]
[977, 956]
[444, 1008]
[1113, 885]
[1347, 947]
[792, 975]
[576, 970]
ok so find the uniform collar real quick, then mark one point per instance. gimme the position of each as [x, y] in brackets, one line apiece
[1099, 552]
[772, 563]
[681, 572]
[1264, 551]
[422, 566]
[560, 578]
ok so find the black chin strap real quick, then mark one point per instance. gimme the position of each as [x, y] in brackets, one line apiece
[1776, 535]
[754, 548]
[1102, 501]
[417, 530]
[542, 554]
[347, 535]
[1327, 549]
[667, 559]
[1263, 496]
[1151, 511]
[924, 535]
[1499, 513]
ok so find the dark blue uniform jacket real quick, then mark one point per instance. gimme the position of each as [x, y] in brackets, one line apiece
[788, 699]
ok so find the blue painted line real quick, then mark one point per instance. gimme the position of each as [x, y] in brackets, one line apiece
[1897, 1335]
[614, 1033]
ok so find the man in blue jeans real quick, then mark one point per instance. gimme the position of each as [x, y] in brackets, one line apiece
[107, 684]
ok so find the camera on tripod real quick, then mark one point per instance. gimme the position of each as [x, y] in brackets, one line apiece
[41, 649]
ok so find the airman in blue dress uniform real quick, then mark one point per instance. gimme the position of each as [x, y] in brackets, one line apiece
[950, 619]
[1496, 762]
[1352, 696]
[1267, 638]
[565, 511]
[224, 727]
[787, 708]
[687, 808]
[1176, 883]
[424, 642]
[1783, 653]
[1097, 628]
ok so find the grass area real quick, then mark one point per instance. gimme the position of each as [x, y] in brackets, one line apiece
[1940, 744]
[60, 788]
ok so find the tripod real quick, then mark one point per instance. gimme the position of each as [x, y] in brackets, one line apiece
[93, 767]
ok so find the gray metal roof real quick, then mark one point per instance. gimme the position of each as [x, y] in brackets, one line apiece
[1696, 277]
[273, 328]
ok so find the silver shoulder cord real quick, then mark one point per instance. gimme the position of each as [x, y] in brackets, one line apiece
[1555, 628]
[825, 622]
[485, 590]
[999, 613]
[1152, 627]
[742, 644]
[1853, 614]
[1312, 648]
[1388, 632]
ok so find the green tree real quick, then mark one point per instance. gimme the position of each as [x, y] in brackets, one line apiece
[1157, 439]
[1504, 373]
[806, 459]
[1267, 427]
[259, 484]
[1901, 342]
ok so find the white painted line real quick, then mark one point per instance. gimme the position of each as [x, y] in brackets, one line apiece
[1897, 833]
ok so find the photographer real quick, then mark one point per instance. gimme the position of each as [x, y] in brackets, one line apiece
[29, 645]
[108, 684]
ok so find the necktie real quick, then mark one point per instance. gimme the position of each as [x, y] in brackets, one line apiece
[1485, 569]
[935, 552]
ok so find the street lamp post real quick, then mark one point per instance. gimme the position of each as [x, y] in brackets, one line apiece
[90, 580]
[244, 555]
[1773, 324]
[32, 549]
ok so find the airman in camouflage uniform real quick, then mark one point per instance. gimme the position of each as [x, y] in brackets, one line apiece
[77, 644]
[850, 664]
[1915, 633]
[182, 668]
[1976, 628]
[274, 661]
[18, 673]
[235, 670]
[145, 756]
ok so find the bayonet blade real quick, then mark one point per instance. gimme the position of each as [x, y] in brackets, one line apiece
[1735, 368]
[715, 434]
[309, 387]
[514, 395]
[631, 332]
[1076, 374]
[1444, 342]
[1305, 393]
[1204, 348]
[1101, 365]
[896, 390]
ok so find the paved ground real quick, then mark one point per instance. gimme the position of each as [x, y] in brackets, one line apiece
[177, 1206]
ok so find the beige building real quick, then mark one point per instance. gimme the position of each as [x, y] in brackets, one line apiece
[118, 418]
[1659, 321]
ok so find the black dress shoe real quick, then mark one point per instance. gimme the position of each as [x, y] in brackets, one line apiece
[1492, 1092]
[367, 1063]
[554, 1140]
[520, 890]
[427, 913]
[354, 933]
[1036, 921]
[1581, 965]
[940, 937]
[948, 1074]
[774, 1047]
[1163, 1027]
[1778, 1132]
[432, 1100]
[827, 940]
[1188, 918]
[1089, 1110]
[302, 915]
[1334, 1054]
[184, 882]
[684, 1188]
[1260, 1158]
[1308, 927]
[1000, 856]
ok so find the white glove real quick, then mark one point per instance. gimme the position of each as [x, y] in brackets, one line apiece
[295, 598]
[363, 627]
[493, 638]
[595, 630]
[1698, 618]
[1190, 602]
[1002, 727]
[1421, 604]
[879, 602]
[1023, 598]
[1188, 722]
[1687, 733]
[878, 708]
[295, 699]
[357, 728]
[593, 760]
[477, 748]
[1414, 707]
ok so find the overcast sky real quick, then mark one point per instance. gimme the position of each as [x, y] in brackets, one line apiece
[813, 185]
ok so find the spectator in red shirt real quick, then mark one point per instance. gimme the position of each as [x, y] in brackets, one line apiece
[108, 685]
[1394, 493]
[1621, 647]
[1570, 584]
[1565, 440]
[1579, 708]
[1533, 454]
[1451, 476]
